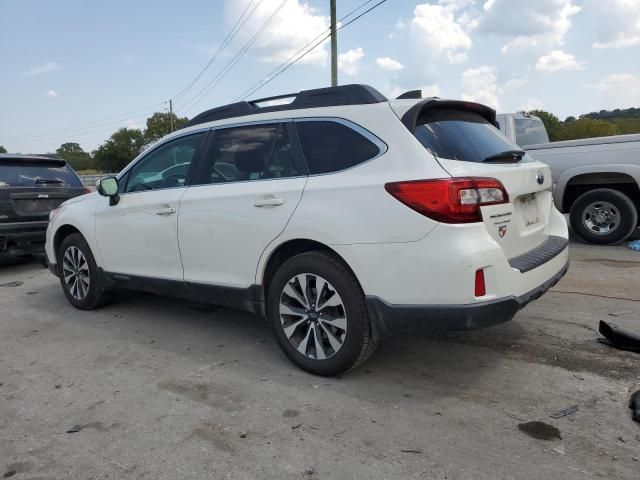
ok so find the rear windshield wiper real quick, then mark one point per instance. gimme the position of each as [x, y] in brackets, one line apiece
[45, 180]
[508, 156]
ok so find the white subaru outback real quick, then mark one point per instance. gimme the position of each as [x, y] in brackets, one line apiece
[341, 216]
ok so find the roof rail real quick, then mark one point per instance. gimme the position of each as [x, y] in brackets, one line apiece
[354, 94]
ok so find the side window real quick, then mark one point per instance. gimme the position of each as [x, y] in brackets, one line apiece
[331, 146]
[252, 152]
[165, 166]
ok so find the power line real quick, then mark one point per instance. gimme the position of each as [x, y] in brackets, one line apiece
[288, 63]
[230, 36]
[208, 87]
[81, 125]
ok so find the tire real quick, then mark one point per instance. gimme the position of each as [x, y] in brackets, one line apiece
[87, 292]
[617, 217]
[342, 305]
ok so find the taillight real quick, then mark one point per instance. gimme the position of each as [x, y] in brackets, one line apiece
[86, 190]
[450, 200]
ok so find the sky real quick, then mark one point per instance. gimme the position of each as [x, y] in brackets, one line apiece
[77, 70]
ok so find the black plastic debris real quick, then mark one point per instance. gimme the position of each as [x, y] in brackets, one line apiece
[619, 338]
[565, 411]
[634, 405]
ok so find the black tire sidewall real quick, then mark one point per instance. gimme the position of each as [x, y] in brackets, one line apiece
[628, 216]
[96, 295]
[353, 300]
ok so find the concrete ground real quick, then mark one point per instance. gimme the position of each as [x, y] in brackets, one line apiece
[165, 389]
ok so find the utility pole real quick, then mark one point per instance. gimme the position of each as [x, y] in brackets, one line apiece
[334, 46]
[171, 114]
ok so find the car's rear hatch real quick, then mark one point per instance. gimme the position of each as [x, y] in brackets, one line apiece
[463, 138]
[30, 187]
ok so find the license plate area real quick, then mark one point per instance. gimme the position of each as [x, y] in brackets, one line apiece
[529, 209]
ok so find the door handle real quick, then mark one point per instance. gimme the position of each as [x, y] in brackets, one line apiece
[166, 211]
[268, 202]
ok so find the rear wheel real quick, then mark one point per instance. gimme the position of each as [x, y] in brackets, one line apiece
[79, 276]
[319, 315]
[603, 216]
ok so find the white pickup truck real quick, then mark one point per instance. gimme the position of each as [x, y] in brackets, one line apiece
[596, 180]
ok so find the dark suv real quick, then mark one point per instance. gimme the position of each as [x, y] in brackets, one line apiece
[30, 187]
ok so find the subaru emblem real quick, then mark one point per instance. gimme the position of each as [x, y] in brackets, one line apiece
[540, 178]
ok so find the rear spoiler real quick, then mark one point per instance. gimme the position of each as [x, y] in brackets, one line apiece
[410, 118]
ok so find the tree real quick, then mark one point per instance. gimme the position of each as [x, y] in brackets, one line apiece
[75, 156]
[588, 128]
[2, 149]
[551, 123]
[123, 146]
[159, 125]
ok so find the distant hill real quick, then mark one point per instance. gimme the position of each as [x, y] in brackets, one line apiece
[626, 120]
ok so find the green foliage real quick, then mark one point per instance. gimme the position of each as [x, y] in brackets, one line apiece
[584, 127]
[159, 125]
[2, 149]
[75, 156]
[123, 146]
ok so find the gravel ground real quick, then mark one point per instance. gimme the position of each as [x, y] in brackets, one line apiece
[165, 389]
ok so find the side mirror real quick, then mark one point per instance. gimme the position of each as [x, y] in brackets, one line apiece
[108, 187]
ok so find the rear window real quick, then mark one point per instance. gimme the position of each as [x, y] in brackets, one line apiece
[530, 131]
[460, 135]
[35, 174]
[331, 146]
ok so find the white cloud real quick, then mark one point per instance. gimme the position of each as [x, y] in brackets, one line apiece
[558, 60]
[619, 90]
[531, 104]
[435, 27]
[44, 68]
[388, 63]
[616, 23]
[481, 85]
[516, 81]
[534, 25]
[52, 93]
[131, 124]
[349, 61]
[295, 25]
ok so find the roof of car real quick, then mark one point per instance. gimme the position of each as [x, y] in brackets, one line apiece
[31, 158]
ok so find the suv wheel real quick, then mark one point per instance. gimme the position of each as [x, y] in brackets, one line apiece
[317, 309]
[603, 216]
[79, 274]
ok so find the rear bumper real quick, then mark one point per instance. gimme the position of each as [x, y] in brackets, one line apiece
[26, 237]
[388, 318]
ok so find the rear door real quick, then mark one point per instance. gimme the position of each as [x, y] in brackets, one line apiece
[31, 187]
[467, 145]
[250, 183]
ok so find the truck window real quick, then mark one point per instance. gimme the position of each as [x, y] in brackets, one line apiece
[530, 131]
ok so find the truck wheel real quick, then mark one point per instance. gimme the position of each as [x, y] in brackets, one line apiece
[78, 274]
[603, 216]
[317, 309]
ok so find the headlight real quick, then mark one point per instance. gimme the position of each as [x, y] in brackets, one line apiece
[54, 213]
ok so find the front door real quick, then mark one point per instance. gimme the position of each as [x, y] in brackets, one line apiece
[139, 235]
[251, 182]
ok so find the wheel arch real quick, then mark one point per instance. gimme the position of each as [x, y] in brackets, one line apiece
[576, 181]
[282, 253]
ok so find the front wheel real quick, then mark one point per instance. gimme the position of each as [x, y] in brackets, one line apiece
[319, 315]
[78, 274]
[603, 216]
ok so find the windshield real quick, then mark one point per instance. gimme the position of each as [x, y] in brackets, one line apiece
[530, 131]
[460, 135]
[32, 174]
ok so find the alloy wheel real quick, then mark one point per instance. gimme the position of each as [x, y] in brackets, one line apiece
[313, 316]
[75, 270]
